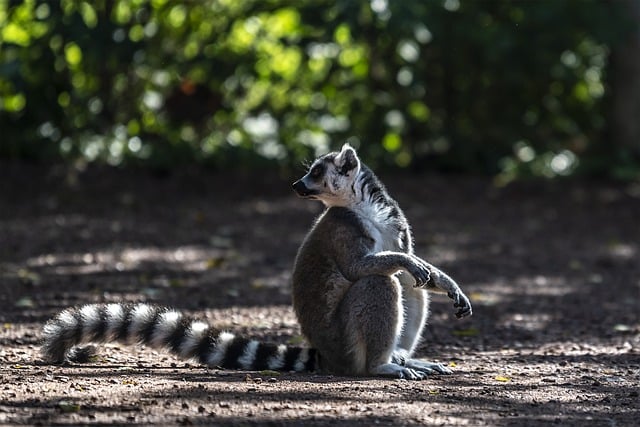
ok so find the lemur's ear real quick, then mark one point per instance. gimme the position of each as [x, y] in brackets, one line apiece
[347, 160]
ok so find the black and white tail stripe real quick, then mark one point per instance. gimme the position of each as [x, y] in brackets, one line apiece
[162, 327]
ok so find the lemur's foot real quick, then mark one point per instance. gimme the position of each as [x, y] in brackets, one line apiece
[461, 302]
[401, 357]
[428, 367]
[393, 370]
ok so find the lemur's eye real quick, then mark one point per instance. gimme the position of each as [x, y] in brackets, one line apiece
[316, 172]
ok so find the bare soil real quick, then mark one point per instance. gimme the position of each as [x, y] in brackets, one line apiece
[553, 271]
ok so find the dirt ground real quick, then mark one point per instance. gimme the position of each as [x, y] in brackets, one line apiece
[552, 269]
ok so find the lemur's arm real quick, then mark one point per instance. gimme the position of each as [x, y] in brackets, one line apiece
[355, 257]
[440, 282]
[426, 275]
[386, 264]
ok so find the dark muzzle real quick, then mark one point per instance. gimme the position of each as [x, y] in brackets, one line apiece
[301, 189]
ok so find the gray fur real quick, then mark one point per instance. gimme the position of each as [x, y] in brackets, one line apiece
[358, 289]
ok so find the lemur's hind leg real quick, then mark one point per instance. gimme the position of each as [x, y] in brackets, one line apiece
[415, 303]
[373, 315]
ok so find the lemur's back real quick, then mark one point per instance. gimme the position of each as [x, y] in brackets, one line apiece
[318, 282]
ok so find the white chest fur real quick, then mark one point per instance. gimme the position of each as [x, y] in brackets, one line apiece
[380, 226]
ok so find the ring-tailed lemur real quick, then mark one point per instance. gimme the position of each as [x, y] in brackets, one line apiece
[354, 300]
[360, 310]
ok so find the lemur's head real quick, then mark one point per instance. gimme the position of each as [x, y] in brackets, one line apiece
[330, 178]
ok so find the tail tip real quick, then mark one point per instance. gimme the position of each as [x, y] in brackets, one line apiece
[82, 354]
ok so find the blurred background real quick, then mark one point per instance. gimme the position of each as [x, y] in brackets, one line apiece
[509, 89]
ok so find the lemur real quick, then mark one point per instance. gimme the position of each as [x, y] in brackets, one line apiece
[359, 294]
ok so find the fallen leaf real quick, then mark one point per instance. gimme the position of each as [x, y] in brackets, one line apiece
[477, 296]
[257, 284]
[503, 379]
[28, 277]
[269, 373]
[470, 332]
[24, 302]
[296, 340]
[65, 406]
[176, 283]
[215, 262]
[152, 293]
[221, 242]
[232, 292]
[575, 264]
[485, 299]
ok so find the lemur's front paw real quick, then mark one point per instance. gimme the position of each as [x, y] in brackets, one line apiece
[421, 274]
[461, 302]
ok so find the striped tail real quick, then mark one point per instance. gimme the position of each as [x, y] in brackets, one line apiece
[162, 327]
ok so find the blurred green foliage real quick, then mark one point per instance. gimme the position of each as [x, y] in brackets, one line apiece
[501, 87]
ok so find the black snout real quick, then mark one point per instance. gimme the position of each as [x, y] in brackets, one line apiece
[300, 188]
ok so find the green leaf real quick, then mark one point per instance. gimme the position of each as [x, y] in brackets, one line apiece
[470, 332]
[24, 302]
[68, 407]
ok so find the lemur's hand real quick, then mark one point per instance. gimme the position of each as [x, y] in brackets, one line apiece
[461, 302]
[420, 272]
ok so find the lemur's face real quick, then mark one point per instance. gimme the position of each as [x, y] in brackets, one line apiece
[330, 178]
